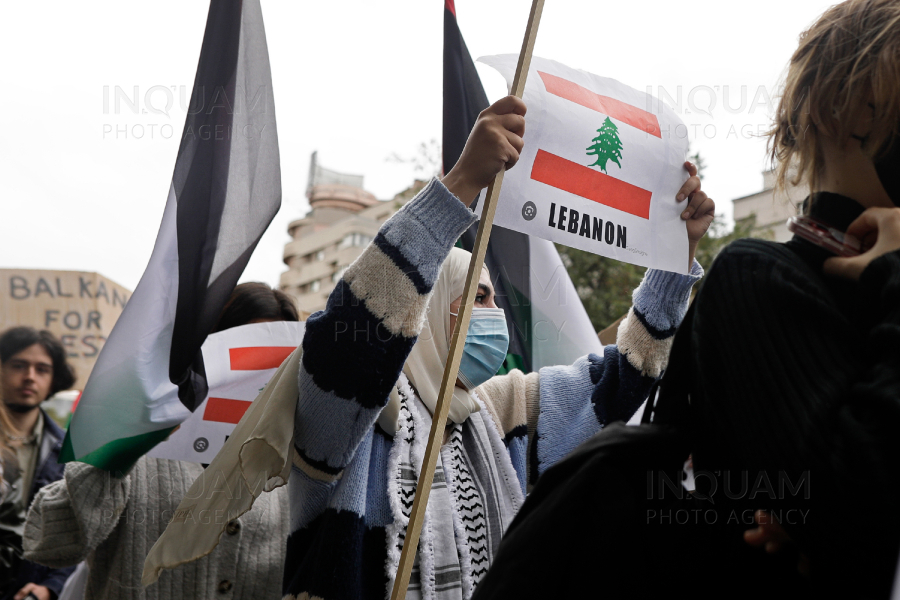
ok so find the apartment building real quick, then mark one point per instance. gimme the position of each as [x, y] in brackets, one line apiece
[343, 218]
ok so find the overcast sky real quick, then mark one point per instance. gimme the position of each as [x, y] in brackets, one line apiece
[83, 184]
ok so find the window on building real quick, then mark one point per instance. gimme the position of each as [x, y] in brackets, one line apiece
[314, 287]
[354, 240]
[336, 276]
[320, 255]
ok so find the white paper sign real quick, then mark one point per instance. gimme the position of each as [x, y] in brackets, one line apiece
[239, 362]
[601, 166]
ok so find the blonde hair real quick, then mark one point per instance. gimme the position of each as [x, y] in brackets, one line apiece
[847, 62]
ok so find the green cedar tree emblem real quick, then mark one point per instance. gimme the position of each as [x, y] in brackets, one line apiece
[607, 145]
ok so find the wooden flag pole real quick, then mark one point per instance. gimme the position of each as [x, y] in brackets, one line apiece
[457, 340]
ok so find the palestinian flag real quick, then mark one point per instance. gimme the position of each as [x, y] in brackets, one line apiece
[547, 322]
[225, 190]
[600, 169]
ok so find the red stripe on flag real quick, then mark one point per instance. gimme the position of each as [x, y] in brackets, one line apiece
[593, 185]
[616, 109]
[225, 410]
[259, 358]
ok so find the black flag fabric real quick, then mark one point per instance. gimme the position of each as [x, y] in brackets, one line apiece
[464, 99]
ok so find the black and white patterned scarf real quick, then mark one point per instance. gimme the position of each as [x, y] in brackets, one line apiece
[474, 497]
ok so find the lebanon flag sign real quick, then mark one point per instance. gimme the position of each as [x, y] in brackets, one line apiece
[239, 362]
[601, 166]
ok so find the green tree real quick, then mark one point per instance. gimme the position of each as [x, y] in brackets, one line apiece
[607, 146]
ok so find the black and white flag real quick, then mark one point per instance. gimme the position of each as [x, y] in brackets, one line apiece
[225, 191]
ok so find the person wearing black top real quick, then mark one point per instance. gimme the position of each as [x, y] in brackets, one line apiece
[795, 353]
[789, 362]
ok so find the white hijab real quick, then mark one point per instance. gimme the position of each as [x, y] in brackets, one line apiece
[425, 365]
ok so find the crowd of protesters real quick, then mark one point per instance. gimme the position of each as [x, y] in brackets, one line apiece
[777, 388]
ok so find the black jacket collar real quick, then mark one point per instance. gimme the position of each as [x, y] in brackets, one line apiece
[834, 209]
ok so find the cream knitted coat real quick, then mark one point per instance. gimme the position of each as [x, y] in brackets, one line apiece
[112, 523]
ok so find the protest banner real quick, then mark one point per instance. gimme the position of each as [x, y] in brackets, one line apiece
[600, 170]
[77, 307]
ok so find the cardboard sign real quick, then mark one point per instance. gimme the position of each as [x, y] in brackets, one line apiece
[239, 362]
[79, 308]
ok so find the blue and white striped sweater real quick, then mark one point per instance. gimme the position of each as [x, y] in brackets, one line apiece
[354, 352]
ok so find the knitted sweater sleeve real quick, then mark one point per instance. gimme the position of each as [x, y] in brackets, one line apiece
[71, 517]
[788, 384]
[578, 400]
[354, 350]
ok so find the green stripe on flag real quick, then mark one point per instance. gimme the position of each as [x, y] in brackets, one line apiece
[512, 361]
[119, 455]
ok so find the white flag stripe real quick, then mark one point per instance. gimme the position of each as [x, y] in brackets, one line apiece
[119, 399]
[561, 327]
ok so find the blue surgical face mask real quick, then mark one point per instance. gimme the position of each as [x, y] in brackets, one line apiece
[486, 344]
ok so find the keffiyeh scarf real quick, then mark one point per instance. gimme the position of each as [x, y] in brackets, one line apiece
[474, 497]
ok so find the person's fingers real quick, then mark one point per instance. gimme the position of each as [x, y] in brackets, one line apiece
[769, 533]
[691, 168]
[690, 186]
[875, 220]
[764, 519]
[697, 199]
[756, 536]
[513, 122]
[864, 224]
[848, 268]
[23, 593]
[515, 141]
[771, 526]
[878, 230]
[512, 156]
[705, 208]
[506, 105]
[868, 242]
